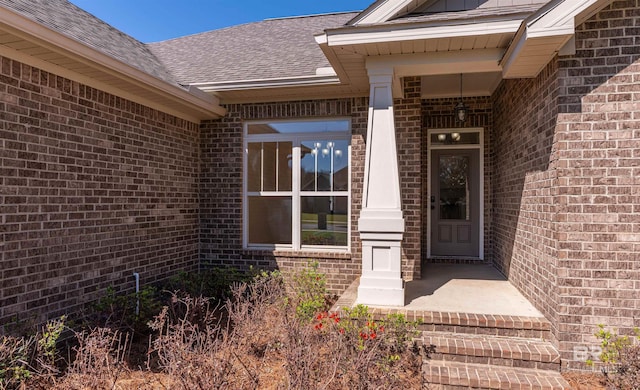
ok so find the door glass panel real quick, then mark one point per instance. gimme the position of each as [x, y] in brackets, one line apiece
[454, 187]
[324, 220]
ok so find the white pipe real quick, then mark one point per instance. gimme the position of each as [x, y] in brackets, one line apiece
[137, 276]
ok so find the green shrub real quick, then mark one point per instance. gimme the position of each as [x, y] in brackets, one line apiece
[118, 311]
[621, 358]
[213, 283]
[310, 291]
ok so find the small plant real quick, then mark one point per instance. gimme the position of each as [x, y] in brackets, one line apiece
[621, 358]
[118, 311]
[213, 283]
[310, 291]
[14, 361]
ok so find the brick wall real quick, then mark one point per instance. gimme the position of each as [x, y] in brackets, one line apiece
[92, 188]
[407, 112]
[438, 114]
[523, 186]
[598, 170]
[566, 188]
[221, 189]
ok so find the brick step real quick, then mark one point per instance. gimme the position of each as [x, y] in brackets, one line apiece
[495, 350]
[485, 324]
[440, 375]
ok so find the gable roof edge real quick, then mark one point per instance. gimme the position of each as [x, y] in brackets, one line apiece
[552, 26]
[204, 105]
[383, 10]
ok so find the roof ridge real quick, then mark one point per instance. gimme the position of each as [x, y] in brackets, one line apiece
[248, 24]
[308, 16]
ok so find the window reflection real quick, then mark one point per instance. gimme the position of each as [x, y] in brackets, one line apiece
[324, 165]
[324, 220]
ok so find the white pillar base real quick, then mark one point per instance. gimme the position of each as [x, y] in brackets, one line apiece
[381, 282]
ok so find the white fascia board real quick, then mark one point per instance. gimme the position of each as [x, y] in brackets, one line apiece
[397, 32]
[239, 85]
[332, 57]
[560, 19]
[30, 30]
[557, 19]
[382, 12]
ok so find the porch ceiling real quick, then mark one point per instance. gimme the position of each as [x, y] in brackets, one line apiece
[423, 51]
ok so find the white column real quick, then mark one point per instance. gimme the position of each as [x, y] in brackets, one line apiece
[381, 224]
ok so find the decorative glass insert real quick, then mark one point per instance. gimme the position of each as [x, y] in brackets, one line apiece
[454, 187]
[455, 138]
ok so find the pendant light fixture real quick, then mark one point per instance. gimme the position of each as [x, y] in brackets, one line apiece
[460, 110]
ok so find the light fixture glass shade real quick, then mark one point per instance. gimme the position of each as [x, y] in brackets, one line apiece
[460, 112]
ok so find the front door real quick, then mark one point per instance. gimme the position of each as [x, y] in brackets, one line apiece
[455, 202]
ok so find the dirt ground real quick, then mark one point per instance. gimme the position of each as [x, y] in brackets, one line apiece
[585, 380]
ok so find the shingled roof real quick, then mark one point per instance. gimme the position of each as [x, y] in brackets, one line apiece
[467, 16]
[66, 18]
[271, 49]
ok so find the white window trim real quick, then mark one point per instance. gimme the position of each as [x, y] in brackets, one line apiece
[296, 194]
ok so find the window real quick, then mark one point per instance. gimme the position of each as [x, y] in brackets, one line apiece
[296, 182]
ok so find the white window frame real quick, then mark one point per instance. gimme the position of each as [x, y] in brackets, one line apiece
[296, 194]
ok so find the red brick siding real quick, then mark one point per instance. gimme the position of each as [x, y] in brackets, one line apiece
[438, 114]
[523, 186]
[92, 188]
[221, 188]
[598, 170]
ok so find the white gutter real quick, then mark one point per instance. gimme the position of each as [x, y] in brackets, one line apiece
[30, 30]
[299, 81]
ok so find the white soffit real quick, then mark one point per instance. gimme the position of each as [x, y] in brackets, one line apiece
[545, 34]
[448, 86]
[412, 32]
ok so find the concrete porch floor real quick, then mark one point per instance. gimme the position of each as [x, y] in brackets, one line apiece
[466, 288]
[459, 288]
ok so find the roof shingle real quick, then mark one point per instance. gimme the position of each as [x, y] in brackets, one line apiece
[273, 48]
[67, 19]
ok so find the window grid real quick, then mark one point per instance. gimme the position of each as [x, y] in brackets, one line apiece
[332, 197]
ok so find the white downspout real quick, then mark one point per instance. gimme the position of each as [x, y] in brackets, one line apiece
[137, 276]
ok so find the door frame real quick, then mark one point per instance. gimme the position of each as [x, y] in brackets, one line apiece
[480, 147]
